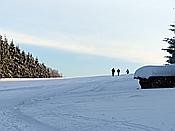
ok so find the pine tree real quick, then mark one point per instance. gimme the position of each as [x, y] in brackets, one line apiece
[1, 56]
[17, 64]
[171, 48]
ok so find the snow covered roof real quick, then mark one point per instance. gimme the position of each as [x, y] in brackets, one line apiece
[147, 71]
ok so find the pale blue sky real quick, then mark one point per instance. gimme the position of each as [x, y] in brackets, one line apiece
[89, 37]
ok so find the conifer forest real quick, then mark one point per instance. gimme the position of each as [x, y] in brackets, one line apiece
[16, 63]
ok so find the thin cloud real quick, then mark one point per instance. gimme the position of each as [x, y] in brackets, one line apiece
[125, 52]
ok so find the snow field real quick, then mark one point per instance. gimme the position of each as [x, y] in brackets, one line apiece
[101, 103]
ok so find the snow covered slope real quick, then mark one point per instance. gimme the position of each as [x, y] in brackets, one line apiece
[102, 103]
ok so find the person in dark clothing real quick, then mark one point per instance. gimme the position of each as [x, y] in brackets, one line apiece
[127, 71]
[118, 71]
[113, 72]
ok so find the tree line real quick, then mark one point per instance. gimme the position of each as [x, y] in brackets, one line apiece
[15, 63]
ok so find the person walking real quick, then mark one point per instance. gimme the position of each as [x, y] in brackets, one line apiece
[118, 71]
[127, 71]
[113, 72]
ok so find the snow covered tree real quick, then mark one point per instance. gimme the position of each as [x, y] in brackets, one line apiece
[171, 48]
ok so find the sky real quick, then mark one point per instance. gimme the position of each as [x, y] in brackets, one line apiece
[89, 37]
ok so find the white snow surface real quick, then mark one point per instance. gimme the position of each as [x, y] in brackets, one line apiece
[102, 103]
[147, 71]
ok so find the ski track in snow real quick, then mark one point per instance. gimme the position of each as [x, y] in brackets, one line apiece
[85, 104]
